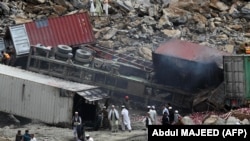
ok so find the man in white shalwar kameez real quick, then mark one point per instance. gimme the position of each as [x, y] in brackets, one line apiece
[92, 8]
[125, 119]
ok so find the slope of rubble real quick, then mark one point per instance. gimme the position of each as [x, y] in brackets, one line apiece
[136, 24]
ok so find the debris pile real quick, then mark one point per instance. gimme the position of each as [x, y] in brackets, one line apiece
[136, 24]
[238, 116]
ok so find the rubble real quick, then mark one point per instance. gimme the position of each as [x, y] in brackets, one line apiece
[215, 23]
[241, 115]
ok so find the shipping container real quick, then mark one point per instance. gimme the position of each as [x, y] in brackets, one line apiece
[71, 30]
[188, 65]
[237, 79]
[48, 99]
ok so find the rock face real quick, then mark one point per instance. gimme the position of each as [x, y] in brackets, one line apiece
[133, 23]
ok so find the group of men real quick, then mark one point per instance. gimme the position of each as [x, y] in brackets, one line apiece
[112, 119]
[169, 116]
[97, 8]
[25, 137]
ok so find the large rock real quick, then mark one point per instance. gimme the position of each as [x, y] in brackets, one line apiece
[4, 6]
[145, 53]
[211, 120]
[186, 120]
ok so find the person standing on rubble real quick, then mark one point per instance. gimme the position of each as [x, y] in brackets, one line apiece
[114, 119]
[92, 8]
[106, 7]
[98, 9]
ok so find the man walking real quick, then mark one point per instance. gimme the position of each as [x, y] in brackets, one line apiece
[114, 119]
[125, 119]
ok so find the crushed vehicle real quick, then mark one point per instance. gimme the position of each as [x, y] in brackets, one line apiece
[182, 73]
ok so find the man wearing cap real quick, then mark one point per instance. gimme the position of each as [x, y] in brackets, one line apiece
[126, 102]
[154, 115]
[125, 119]
[114, 119]
[88, 138]
[171, 114]
[76, 122]
[105, 120]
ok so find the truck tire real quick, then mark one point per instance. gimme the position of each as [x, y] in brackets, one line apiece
[82, 60]
[85, 54]
[64, 49]
[62, 55]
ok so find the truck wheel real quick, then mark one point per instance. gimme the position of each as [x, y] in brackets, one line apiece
[82, 60]
[64, 49]
[85, 54]
[62, 55]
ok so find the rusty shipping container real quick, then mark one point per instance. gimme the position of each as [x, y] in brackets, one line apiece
[188, 65]
[71, 30]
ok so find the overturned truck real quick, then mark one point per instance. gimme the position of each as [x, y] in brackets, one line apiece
[64, 47]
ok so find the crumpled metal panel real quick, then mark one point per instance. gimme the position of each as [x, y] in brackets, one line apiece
[93, 94]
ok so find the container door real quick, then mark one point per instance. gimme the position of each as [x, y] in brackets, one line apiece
[247, 72]
[234, 76]
[20, 39]
[2, 46]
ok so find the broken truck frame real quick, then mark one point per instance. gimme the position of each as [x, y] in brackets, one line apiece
[112, 81]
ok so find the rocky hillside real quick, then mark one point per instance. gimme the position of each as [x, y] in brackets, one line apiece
[139, 26]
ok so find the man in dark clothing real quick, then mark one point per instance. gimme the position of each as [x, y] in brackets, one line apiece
[77, 125]
[105, 119]
[26, 136]
[171, 115]
[19, 136]
[165, 119]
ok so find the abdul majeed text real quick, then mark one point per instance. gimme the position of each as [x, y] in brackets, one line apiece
[186, 132]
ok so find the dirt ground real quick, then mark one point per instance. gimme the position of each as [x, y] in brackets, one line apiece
[44, 132]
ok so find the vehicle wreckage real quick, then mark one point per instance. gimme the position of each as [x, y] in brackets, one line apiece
[187, 75]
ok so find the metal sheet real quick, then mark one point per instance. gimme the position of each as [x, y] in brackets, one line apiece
[31, 99]
[44, 79]
[190, 51]
[20, 39]
[93, 95]
[70, 30]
